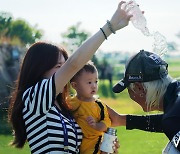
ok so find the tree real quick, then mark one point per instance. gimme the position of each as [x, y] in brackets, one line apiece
[19, 30]
[74, 37]
[172, 46]
[22, 30]
[5, 22]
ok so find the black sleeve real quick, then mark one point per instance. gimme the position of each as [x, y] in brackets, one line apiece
[150, 123]
[176, 141]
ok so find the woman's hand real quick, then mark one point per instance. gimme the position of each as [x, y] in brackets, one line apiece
[121, 17]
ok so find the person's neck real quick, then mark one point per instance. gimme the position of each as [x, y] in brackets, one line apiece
[161, 105]
[85, 99]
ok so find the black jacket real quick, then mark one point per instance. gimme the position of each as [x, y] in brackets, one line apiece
[169, 122]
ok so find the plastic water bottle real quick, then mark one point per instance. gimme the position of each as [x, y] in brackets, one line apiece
[108, 139]
[138, 19]
[160, 45]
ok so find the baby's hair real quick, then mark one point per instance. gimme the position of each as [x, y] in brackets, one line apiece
[88, 67]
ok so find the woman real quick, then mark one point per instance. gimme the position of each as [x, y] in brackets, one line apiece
[39, 111]
[148, 83]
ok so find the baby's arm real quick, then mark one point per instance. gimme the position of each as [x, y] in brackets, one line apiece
[99, 126]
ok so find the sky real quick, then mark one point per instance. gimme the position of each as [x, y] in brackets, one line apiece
[55, 16]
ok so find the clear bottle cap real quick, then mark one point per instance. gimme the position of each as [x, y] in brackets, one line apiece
[112, 131]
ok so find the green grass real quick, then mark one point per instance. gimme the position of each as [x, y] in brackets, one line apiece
[5, 148]
[6, 137]
[140, 142]
[174, 67]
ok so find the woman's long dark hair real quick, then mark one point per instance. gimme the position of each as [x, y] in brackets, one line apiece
[39, 58]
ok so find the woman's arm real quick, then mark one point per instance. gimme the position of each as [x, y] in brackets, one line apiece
[84, 53]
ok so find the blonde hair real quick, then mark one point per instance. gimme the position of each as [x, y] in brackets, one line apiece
[155, 90]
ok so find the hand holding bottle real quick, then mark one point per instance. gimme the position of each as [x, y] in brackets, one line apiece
[138, 19]
[120, 18]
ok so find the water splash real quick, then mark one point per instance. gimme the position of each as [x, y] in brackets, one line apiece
[160, 45]
[145, 31]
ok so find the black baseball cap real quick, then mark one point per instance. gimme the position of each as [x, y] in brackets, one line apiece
[143, 67]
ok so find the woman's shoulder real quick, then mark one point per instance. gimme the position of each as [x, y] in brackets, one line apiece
[41, 86]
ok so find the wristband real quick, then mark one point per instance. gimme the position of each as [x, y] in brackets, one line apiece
[103, 33]
[110, 27]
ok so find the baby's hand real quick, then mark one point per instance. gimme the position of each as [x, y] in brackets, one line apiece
[91, 121]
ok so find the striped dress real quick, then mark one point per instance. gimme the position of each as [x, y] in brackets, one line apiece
[44, 129]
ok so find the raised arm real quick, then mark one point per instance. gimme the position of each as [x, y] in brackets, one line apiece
[85, 52]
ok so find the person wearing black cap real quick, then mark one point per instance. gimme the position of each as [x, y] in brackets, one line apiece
[148, 83]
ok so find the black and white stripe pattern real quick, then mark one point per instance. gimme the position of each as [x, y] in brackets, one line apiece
[43, 127]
